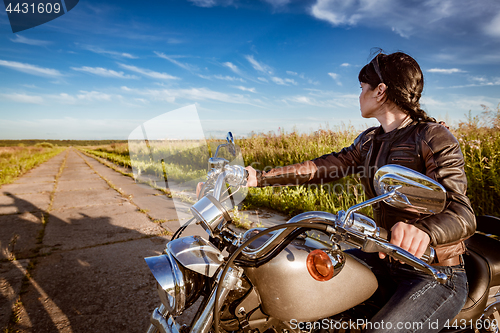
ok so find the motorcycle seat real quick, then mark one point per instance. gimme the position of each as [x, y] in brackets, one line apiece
[488, 247]
[478, 277]
[488, 224]
[482, 266]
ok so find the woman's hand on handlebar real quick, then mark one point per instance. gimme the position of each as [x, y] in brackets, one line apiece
[409, 238]
[252, 177]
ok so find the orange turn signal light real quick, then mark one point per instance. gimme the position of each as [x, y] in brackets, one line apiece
[319, 265]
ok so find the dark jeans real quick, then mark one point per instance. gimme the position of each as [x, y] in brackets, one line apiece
[414, 301]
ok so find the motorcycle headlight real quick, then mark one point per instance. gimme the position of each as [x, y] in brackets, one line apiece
[177, 286]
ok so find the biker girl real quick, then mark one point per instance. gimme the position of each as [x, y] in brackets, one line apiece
[391, 87]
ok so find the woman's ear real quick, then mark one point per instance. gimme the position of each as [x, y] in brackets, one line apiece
[380, 92]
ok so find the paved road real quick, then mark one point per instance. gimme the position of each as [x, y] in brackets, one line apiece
[80, 230]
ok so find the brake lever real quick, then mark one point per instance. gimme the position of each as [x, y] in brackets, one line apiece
[377, 245]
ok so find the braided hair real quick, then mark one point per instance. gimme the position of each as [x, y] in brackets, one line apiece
[404, 80]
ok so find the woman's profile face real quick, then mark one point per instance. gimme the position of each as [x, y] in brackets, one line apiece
[367, 101]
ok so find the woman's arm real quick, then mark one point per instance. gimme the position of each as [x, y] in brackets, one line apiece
[320, 170]
[444, 162]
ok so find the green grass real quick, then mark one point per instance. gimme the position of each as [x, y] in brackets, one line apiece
[479, 140]
[264, 151]
[16, 161]
[181, 163]
[480, 143]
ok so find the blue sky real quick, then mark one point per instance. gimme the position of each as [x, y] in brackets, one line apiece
[103, 68]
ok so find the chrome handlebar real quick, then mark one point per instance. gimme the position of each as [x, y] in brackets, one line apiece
[354, 229]
[234, 175]
[278, 237]
[378, 245]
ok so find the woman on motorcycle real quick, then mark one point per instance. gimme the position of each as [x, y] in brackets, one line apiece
[391, 88]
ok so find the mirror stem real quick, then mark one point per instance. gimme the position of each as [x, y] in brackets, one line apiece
[369, 202]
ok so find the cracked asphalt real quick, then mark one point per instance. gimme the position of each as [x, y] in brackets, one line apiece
[73, 235]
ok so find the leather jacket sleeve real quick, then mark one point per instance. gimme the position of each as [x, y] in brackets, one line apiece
[444, 163]
[320, 170]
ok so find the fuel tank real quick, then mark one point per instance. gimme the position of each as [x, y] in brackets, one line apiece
[288, 292]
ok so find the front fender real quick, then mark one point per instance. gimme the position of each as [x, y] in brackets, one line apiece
[196, 254]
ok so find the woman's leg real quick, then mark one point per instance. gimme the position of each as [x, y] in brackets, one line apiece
[420, 304]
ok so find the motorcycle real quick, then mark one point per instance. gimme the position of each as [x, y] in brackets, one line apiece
[270, 279]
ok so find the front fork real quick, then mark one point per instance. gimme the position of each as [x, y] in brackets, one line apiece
[163, 322]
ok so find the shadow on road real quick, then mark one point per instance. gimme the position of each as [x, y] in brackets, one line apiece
[103, 285]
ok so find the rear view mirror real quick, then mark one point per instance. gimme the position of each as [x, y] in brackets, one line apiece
[415, 193]
[230, 143]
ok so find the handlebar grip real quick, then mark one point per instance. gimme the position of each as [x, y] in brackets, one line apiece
[428, 256]
[384, 234]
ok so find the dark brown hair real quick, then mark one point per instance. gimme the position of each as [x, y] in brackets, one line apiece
[404, 80]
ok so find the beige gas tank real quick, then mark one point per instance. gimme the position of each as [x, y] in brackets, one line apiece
[288, 292]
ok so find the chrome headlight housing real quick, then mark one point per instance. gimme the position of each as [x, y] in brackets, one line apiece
[177, 286]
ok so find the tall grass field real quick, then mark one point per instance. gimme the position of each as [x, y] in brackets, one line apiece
[479, 139]
[15, 161]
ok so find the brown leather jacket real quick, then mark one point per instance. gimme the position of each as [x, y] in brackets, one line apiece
[428, 148]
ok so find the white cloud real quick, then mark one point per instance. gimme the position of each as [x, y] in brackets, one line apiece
[82, 97]
[303, 100]
[258, 66]
[493, 27]
[291, 73]
[104, 72]
[246, 89]
[327, 99]
[336, 77]
[149, 73]
[345, 64]
[187, 67]
[64, 98]
[407, 18]
[93, 96]
[197, 94]
[480, 79]
[23, 98]
[477, 82]
[228, 78]
[29, 41]
[98, 50]
[337, 12]
[142, 100]
[278, 3]
[283, 82]
[278, 80]
[456, 105]
[445, 70]
[263, 79]
[31, 69]
[64, 128]
[232, 67]
[204, 3]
